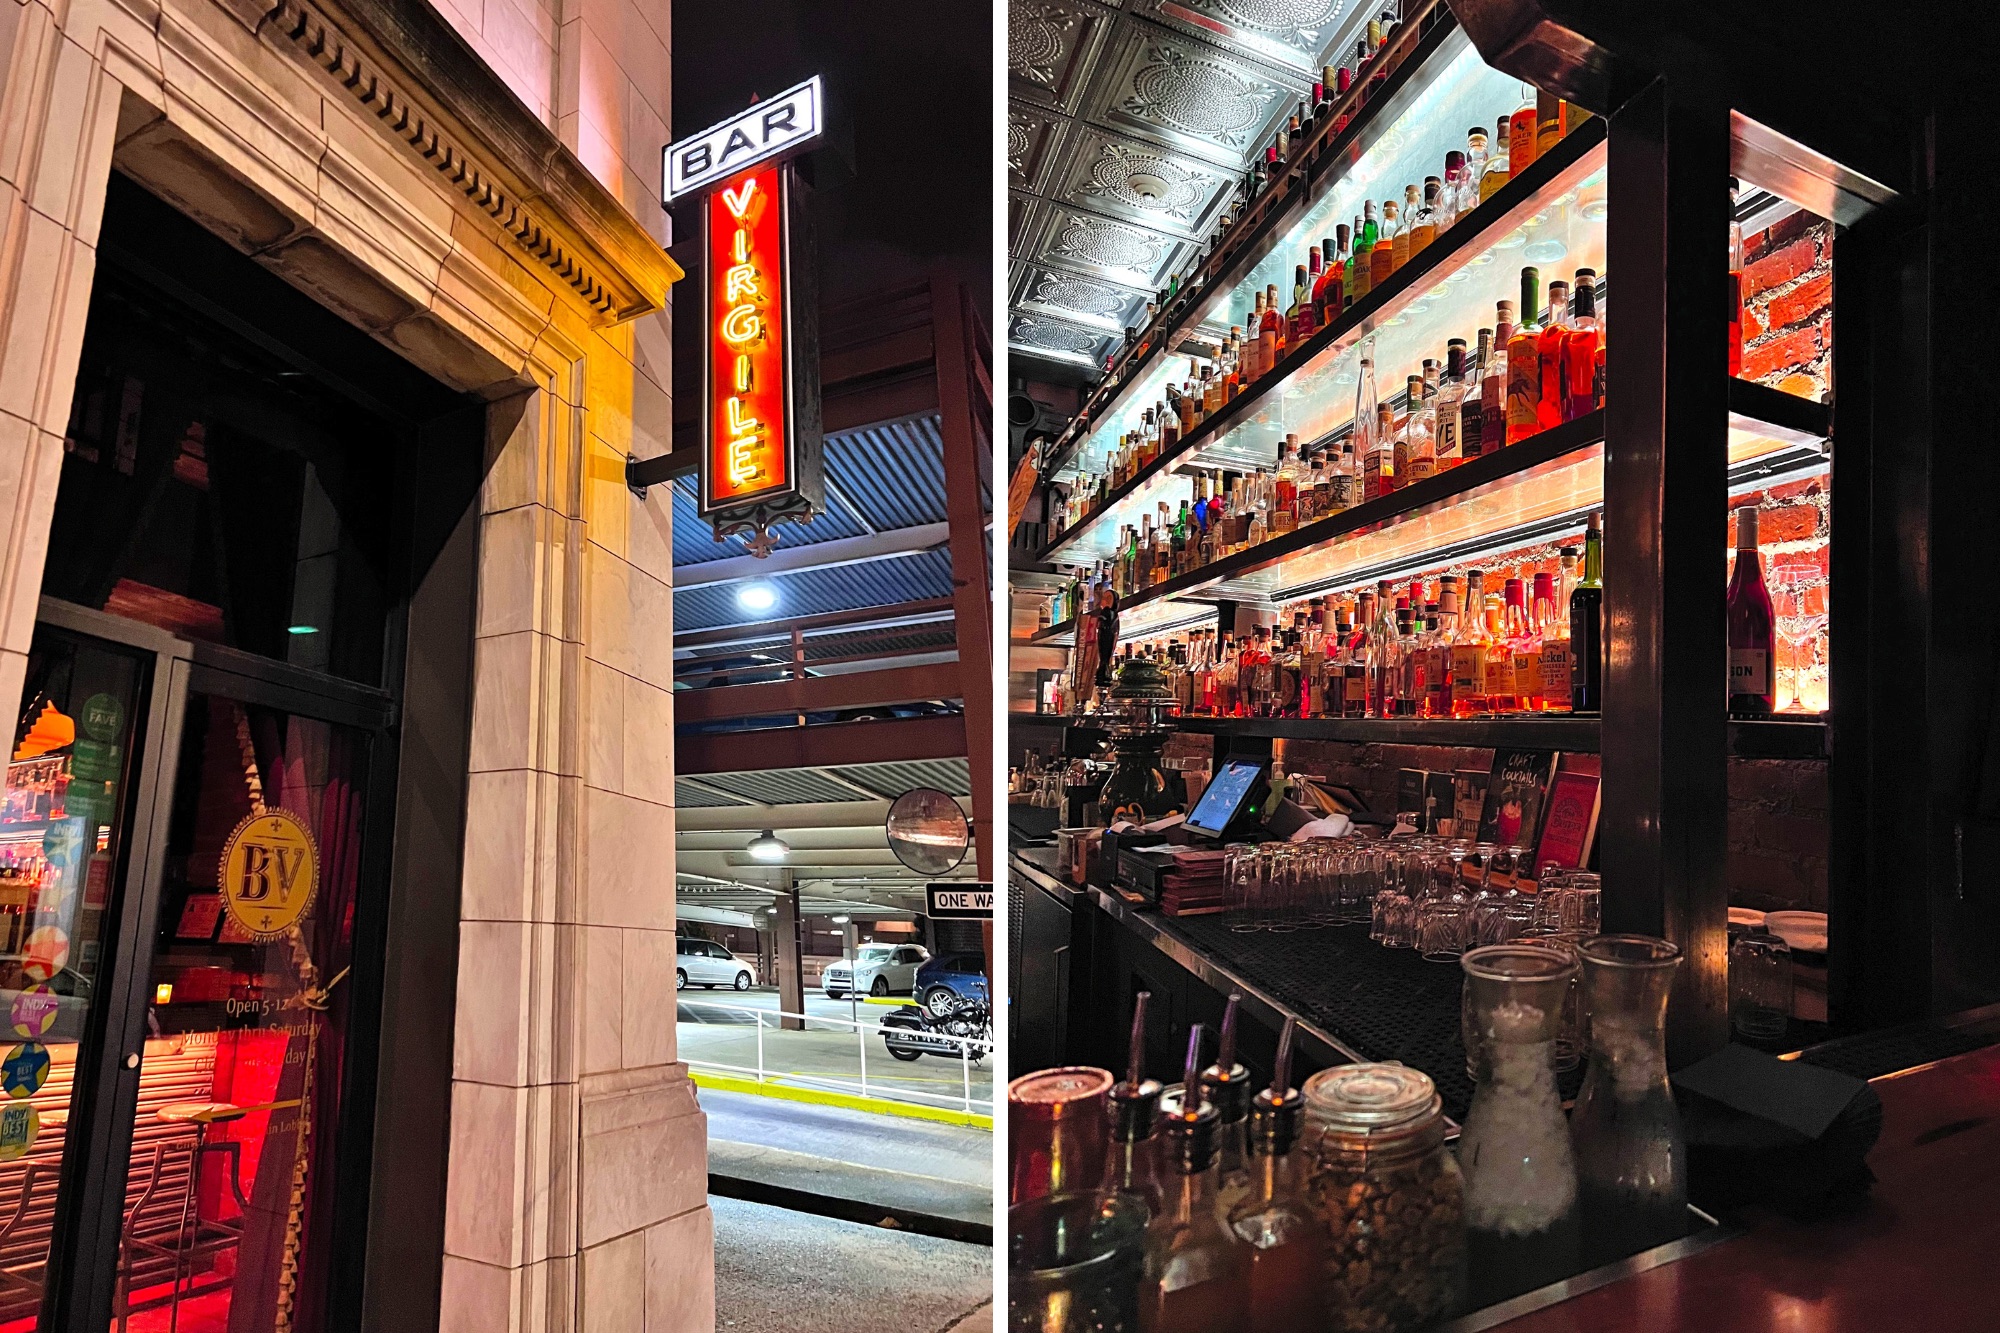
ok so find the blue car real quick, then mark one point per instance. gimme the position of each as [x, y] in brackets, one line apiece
[949, 980]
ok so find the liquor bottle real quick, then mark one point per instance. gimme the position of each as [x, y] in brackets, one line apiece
[1285, 487]
[1581, 349]
[1444, 630]
[1552, 627]
[1362, 268]
[1271, 333]
[1197, 1273]
[1419, 433]
[1226, 1086]
[1381, 648]
[1389, 446]
[1495, 174]
[1472, 181]
[1450, 195]
[1521, 135]
[1232, 359]
[1354, 661]
[1497, 687]
[1332, 276]
[1549, 352]
[1524, 364]
[1132, 1166]
[1363, 436]
[1524, 646]
[1471, 426]
[1277, 1221]
[1424, 224]
[1549, 121]
[1468, 649]
[1407, 667]
[1735, 285]
[1252, 355]
[1586, 627]
[1382, 259]
[1752, 679]
[1450, 399]
[1300, 316]
[1493, 388]
[1413, 204]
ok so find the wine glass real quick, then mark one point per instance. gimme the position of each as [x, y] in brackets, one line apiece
[1795, 591]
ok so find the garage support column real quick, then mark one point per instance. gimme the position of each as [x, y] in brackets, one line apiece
[791, 962]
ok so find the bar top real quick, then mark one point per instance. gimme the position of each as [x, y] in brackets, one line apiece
[1920, 1255]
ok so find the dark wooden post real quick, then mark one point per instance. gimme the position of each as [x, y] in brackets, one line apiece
[1665, 736]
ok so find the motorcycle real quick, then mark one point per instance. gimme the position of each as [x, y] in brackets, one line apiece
[914, 1030]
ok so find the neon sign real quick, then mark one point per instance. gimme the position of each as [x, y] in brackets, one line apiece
[761, 398]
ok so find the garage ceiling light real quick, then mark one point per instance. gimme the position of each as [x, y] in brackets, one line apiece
[767, 846]
[756, 597]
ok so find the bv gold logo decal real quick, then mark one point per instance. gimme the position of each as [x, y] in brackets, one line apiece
[270, 873]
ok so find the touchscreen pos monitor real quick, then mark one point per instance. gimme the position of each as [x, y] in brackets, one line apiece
[1234, 789]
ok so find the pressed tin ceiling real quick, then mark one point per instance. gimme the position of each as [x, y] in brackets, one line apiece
[1128, 126]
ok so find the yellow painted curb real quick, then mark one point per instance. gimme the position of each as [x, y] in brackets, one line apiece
[852, 1101]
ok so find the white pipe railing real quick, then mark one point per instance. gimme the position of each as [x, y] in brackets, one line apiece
[970, 1048]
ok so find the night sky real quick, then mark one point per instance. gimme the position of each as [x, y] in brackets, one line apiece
[908, 83]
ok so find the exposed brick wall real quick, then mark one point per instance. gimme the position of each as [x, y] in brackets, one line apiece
[1778, 834]
[1788, 305]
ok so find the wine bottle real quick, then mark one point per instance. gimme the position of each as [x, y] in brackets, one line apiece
[1586, 627]
[1752, 682]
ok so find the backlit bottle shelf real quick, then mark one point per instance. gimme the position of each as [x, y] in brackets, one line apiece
[1447, 290]
[1535, 491]
[1420, 109]
[1805, 737]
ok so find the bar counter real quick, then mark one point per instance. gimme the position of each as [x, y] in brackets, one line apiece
[1919, 1255]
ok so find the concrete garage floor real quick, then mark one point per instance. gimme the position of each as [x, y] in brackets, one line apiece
[778, 1271]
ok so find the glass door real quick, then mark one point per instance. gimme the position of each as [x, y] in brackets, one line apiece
[231, 1171]
[66, 842]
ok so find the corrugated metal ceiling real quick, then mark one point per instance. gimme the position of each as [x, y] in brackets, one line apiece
[953, 776]
[917, 577]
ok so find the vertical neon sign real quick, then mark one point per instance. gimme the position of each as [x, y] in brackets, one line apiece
[749, 453]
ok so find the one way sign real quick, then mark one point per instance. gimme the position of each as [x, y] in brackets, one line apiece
[961, 901]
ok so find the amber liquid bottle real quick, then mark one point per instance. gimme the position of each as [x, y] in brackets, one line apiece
[1582, 349]
[1524, 363]
[1132, 1165]
[1277, 1225]
[1226, 1085]
[1195, 1278]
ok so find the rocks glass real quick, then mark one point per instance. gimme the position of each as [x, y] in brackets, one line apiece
[1760, 987]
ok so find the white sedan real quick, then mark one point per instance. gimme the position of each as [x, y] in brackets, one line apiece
[878, 969]
[706, 963]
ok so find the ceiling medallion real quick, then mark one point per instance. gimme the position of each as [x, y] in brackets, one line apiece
[1084, 297]
[1197, 97]
[1304, 17]
[1017, 144]
[1035, 40]
[1148, 181]
[1107, 245]
[1051, 337]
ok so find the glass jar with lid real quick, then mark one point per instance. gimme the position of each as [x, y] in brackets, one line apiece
[1390, 1194]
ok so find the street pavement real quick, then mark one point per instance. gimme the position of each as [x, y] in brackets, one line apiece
[779, 1271]
[713, 1029]
[890, 1161]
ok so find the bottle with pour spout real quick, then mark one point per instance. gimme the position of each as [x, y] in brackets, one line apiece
[1274, 1220]
[1195, 1278]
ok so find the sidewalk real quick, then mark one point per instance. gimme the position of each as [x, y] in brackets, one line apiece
[778, 1271]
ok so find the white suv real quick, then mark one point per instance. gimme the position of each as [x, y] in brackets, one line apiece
[878, 969]
[706, 963]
